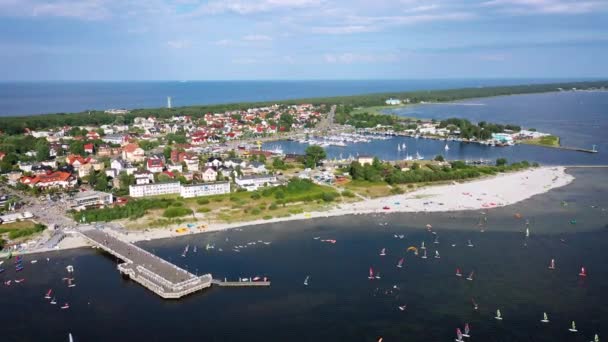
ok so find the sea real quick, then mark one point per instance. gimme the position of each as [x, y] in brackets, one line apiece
[24, 98]
[568, 224]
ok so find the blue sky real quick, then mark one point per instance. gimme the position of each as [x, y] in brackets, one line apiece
[301, 39]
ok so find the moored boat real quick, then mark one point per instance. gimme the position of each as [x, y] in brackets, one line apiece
[545, 318]
[573, 327]
[467, 330]
[400, 263]
[498, 315]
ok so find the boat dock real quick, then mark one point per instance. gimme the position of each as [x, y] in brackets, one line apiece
[156, 274]
[248, 283]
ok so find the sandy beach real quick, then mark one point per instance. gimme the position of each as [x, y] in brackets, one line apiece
[491, 192]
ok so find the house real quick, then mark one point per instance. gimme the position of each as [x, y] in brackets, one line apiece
[209, 174]
[191, 163]
[252, 183]
[91, 199]
[40, 169]
[88, 148]
[92, 135]
[392, 102]
[55, 179]
[133, 153]
[112, 173]
[122, 165]
[175, 167]
[85, 170]
[257, 167]
[106, 150]
[76, 160]
[25, 167]
[155, 165]
[365, 159]
[116, 139]
[214, 161]
[234, 162]
[154, 189]
[205, 189]
[143, 177]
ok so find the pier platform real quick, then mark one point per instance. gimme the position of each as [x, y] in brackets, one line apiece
[240, 283]
[156, 274]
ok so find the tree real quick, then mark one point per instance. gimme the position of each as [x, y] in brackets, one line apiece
[167, 152]
[126, 180]
[42, 150]
[286, 120]
[278, 163]
[356, 170]
[102, 182]
[439, 158]
[501, 162]
[262, 158]
[77, 147]
[314, 154]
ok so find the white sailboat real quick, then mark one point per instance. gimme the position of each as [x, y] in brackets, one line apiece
[70, 338]
[419, 156]
[383, 252]
[469, 243]
[458, 335]
[400, 264]
[437, 254]
[498, 315]
[424, 254]
[467, 330]
[527, 232]
[596, 338]
[403, 146]
[446, 147]
[545, 318]
[306, 280]
[573, 327]
[422, 245]
[552, 264]
[470, 277]
[398, 148]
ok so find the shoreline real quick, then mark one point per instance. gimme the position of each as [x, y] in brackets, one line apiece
[482, 194]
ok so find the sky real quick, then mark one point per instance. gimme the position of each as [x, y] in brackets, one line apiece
[302, 39]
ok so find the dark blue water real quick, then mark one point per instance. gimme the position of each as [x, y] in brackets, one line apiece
[580, 119]
[341, 304]
[20, 98]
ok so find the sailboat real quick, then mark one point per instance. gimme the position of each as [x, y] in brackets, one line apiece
[424, 254]
[475, 306]
[583, 272]
[402, 307]
[408, 157]
[446, 147]
[470, 277]
[377, 275]
[383, 252]
[403, 146]
[70, 284]
[194, 249]
[419, 156]
[527, 232]
[306, 280]
[436, 240]
[596, 338]
[371, 274]
[70, 338]
[573, 327]
[400, 263]
[545, 318]
[65, 306]
[437, 254]
[458, 274]
[466, 330]
[498, 315]
[422, 245]
[552, 264]
[469, 243]
[53, 301]
[398, 148]
[458, 335]
[48, 294]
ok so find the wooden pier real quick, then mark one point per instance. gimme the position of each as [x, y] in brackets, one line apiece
[156, 274]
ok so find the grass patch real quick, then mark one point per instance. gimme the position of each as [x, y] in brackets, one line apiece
[172, 212]
[549, 140]
[21, 229]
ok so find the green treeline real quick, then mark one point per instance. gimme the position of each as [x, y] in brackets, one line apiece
[17, 124]
[457, 170]
[133, 209]
[17, 233]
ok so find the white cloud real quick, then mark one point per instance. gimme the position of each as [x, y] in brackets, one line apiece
[245, 7]
[244, 60]
[179, 44]
[224, 42]
[353, 58]
[256, 38]
[86, 9]
[547, 6]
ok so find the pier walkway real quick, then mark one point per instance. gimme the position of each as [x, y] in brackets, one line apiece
[161, 277]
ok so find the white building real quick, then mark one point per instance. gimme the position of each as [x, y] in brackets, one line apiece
[155, 189]
[392, 102]
[209, 175]
[205, 189]
[252, 183]
[91, 198]
[121, 165]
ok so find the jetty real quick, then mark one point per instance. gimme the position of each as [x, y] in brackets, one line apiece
[154, 273]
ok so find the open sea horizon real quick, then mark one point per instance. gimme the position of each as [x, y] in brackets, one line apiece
[43, 97]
